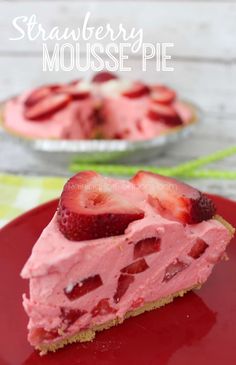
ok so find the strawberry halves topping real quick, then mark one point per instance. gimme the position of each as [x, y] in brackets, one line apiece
[89, 209]
[162, 94]
[104, 76]
[40, 93]
[137, 90]
[165, 114]
[175, 199]
[47, 106]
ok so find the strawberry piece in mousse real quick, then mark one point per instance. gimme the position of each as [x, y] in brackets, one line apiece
[115, 247]
[103, 308]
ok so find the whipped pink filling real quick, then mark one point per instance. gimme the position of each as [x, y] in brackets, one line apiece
[118, 114]
[73, 122]
[57, 265]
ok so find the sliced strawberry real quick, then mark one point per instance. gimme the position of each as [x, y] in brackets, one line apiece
[137, 303]
[104, 77]
[40, 93]
[74, 82]
[165, 114]
[136, 267]
[83, 287]
[124, 282]
[102, 308]
[40, 334]
[47, 106]
[89, 208]
[75, 91]
[137, 90]
[173, 269]
[175, 199]
[147, 246]
[118, 136]
[70, 316]
[162, 94]
[198, 249]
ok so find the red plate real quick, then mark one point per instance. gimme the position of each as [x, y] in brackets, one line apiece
[199, 328]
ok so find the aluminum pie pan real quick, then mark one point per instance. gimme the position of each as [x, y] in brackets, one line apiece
[101, 150]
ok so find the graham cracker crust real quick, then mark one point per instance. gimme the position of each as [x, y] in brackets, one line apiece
[89, 334]
[227, 225]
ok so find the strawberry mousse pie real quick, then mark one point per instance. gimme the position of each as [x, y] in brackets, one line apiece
[115, 249]
[106, 107]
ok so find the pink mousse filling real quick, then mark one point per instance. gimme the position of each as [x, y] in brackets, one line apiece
[75, 121]
[126, 118]
[170, 257]
[120, 117]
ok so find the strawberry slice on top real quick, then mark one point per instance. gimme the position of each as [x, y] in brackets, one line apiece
[165, 114]
[78, 90]
[104, 76]
[89, 209]
[162, 94]
[175, 199]
[47, 106]
[40, 93]
[137, 90]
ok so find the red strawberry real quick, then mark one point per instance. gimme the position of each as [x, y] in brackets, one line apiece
[40, 334]
[47, 106]
[74, 82]
[40, 93]
[89, 208]
[136, 267]
[165, 114]
[137, 90]
[102, 308]
[124, 282]
[137, 303]
[162, 94]
[146, 247]
[198, 248]
[70, 316]
[174, 268]
[83, 287]
[103, 77]
[73, 89]
[175, 199]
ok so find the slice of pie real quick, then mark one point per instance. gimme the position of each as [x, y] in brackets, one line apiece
[115, 249]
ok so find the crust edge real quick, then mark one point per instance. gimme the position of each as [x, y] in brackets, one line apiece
[225, 223]
[88, 335]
